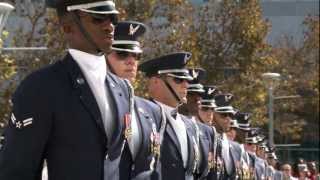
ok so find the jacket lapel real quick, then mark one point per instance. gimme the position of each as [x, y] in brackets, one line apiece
[144, 126]
[204, 148]
[83, 91]
[191, 147]
[233, 155]
[120, 100]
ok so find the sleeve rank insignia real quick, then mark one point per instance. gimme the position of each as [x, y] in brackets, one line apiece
[19, 124]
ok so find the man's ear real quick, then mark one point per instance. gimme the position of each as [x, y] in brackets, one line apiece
[66, 27]
[153, 79]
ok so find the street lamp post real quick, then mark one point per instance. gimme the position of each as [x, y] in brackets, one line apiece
[271, 81]
[271, 117]
[5, 10]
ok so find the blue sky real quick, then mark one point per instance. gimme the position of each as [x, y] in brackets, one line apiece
[286, 16]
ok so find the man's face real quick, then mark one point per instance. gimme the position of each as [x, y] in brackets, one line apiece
[251, 147]
[159, 91]
[165, 96]
[241, 135]
[272, 162]
[206, 115]
[180, 87]
[232, 134]
[193, 102]
[124, 64]
[260, 152]
[222, 121]
[101, 31]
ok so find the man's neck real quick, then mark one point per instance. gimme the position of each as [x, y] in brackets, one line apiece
[86, 50]
[170, 104]
[184, 110]
[219, 130]
[249, 149]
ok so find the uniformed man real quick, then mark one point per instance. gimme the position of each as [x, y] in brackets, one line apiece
[74, 112]
[240, 156]
[251, 147]
[272, 172]
[223, 114]
[195, 91]
[167, 85]
[246, 169]
[146, 115]
[262, 146]
[261, 149]
[205, 134]
[207, 105]
[126, 49]
[232, 133]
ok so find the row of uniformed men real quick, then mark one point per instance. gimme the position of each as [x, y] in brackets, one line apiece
[204, 108]
[86, 122]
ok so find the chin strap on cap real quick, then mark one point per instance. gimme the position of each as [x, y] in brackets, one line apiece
[86, 35]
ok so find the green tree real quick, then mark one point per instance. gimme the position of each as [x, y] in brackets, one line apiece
[7, 78]
[233, 48]
[169, 28]
[299, 65]
[43, 30]
[32, 29]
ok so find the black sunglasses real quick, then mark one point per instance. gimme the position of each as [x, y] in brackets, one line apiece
[207, 109]
[123, 55]
[178, 80]
[101, 18]
[224, 115]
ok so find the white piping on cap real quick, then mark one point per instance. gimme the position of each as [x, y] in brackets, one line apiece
[127, 50]
[121, 42]
[85, 7]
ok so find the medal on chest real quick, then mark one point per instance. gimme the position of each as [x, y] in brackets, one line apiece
[128, 128]
[155, 141]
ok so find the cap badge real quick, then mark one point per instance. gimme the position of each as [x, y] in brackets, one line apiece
[210, 91]
[228, 97]
[133, 30]
[246, 117]
[195, 74]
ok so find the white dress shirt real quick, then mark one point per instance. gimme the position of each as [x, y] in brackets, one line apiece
[226, 153]
[244, 155]
[94, 69]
